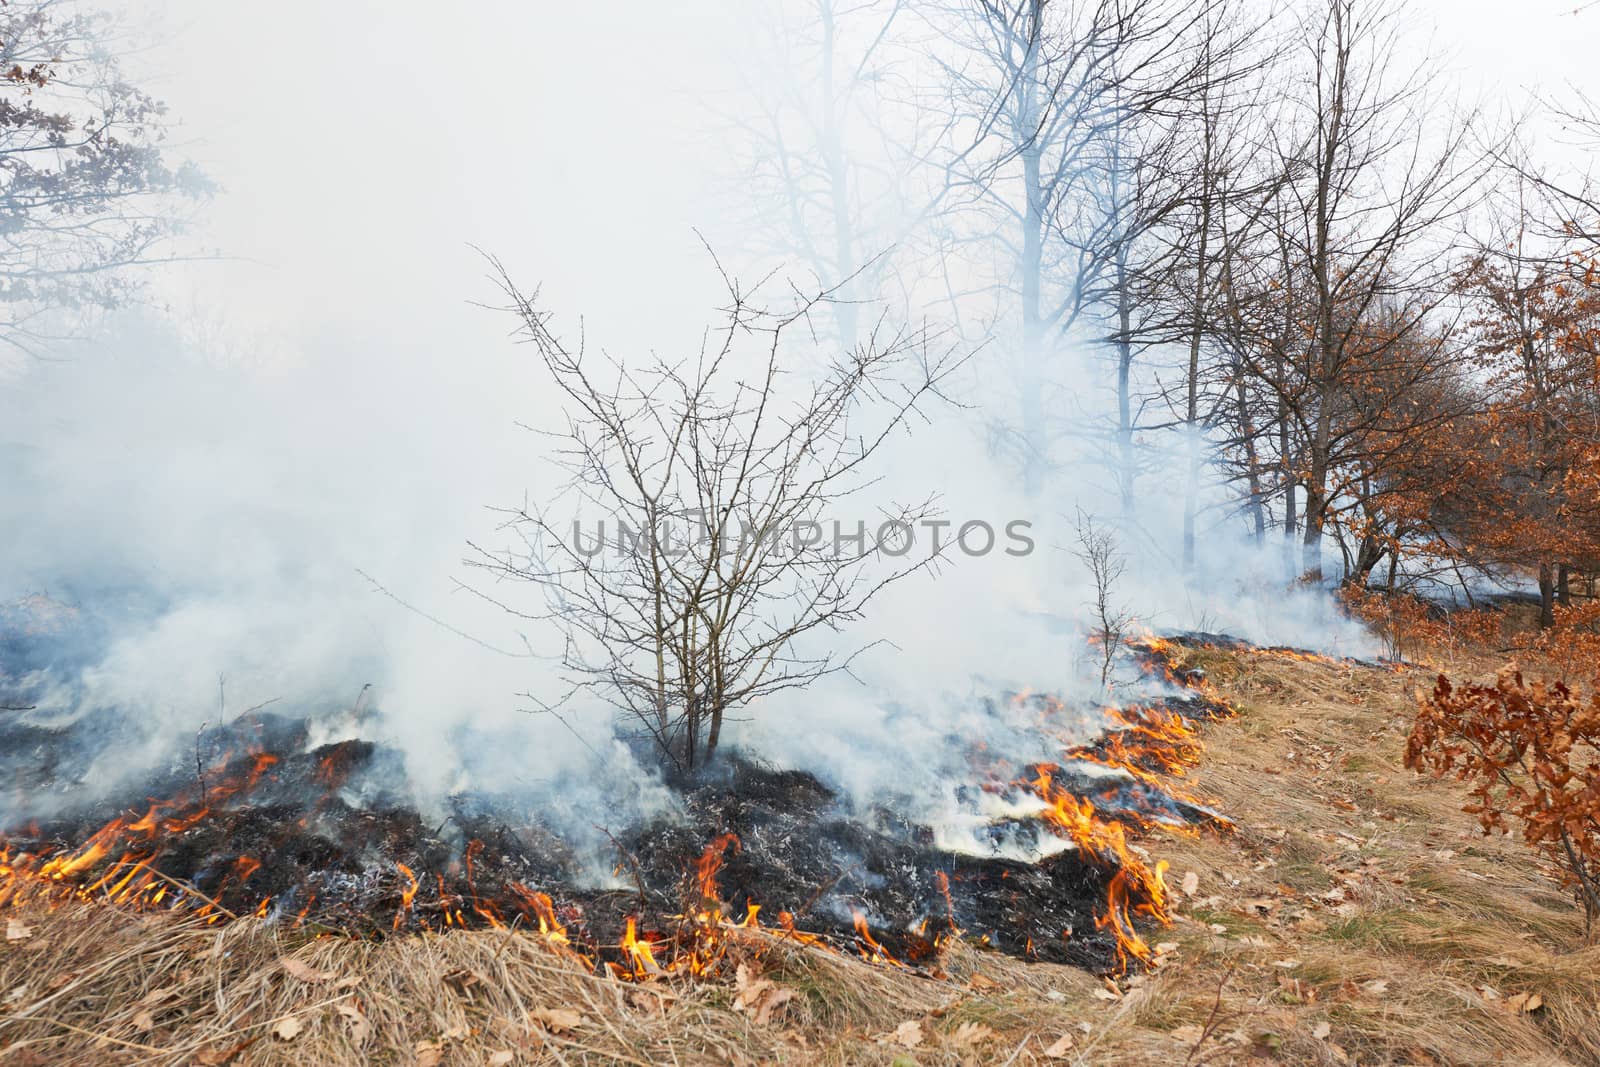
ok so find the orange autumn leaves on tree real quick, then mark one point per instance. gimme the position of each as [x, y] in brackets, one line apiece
[1413, 628]
[1570, 648]
[1526, 489]
[1532, 754]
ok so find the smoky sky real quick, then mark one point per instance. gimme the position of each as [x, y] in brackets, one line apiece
[293, 445]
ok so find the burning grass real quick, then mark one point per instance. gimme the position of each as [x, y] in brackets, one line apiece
[268, 830]
[1355, 915]
[94, 985]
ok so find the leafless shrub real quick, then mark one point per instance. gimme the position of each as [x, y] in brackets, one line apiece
[1097, 548]
[718, 468]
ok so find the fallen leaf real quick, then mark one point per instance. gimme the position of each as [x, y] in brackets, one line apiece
[455, 1033]
[144, 1022]
[556, 1020]
[1288, 965]
[1190, 884]
[982, 983]
[907, 1035]
[1189, 1035]
[501, 1058]
[287, 1028]
[428, 1054]
[646, 1001]
[1377, 987]
[1061, 1049]
[1105, 994]
[360, 1029]
[1322, 1030]
[758, 996]
[17, 930]
[971, 1034]
[1165, 947]
[304, 971]
[1524, 1002]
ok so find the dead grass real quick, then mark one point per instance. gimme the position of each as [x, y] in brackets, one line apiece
[1357, 916]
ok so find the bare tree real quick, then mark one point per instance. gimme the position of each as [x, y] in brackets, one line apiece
[87, 188]
[1060, 108]
[1098, 550]
[723, 580]
[1356, 259]
[1218, 192]
[824, 176]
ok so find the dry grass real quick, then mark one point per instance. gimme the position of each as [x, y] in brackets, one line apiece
[1357, 916]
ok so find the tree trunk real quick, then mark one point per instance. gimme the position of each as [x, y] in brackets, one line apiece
[1191, 496]
[1032, 265]
[1124, 387]
[1547, 590]
[845, 308]
[1368, 556]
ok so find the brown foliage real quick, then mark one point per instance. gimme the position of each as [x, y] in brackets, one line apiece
[1530, 751]
[1408, 624]
[1570, 648]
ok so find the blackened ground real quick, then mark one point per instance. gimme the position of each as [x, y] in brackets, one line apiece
[250, 818]
[1229, 643]
[286, 837]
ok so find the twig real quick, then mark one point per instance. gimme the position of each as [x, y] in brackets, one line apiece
[86, 1033]
[633, 865]
[199, 766]
[258, 707]
[378, 587]
[178, 883]
[1213, 1019]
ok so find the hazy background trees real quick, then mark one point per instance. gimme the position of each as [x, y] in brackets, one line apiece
[89, 188]
[1267, 238]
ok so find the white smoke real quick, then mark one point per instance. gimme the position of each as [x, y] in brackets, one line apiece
[267, 490]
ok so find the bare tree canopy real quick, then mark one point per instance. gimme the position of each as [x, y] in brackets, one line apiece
[88, 184]
[718, 470]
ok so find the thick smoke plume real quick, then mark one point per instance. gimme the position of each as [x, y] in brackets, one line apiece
[270, 500]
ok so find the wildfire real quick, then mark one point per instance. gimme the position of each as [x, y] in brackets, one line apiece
[1135, 888]
[119, 863]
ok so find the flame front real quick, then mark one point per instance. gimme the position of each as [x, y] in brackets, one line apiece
[1150, 744]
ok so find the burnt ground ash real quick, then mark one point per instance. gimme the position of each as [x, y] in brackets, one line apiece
[1229, 643]
[260, 822]
[333, 865]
